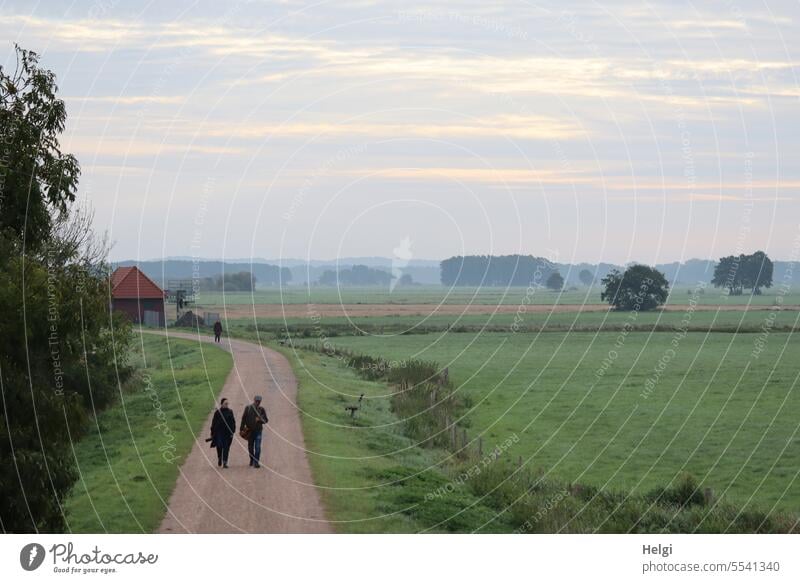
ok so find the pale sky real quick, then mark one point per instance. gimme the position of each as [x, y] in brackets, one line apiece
[614, 131]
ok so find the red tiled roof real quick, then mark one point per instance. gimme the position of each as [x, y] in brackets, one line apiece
[131, 283]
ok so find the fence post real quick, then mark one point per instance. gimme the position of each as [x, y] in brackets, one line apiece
[480, 446]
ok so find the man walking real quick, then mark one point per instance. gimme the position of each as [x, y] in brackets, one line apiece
[253, 420]
[217, 330]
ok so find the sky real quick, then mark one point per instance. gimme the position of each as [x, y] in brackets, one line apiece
[576, 131]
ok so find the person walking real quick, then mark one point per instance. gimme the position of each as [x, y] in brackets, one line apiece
[217, 330]
[254, 418]
[223, 426]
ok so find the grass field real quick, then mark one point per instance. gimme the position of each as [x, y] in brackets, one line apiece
[129, 460]
[464, 295]
[717, 409]
[751, 321]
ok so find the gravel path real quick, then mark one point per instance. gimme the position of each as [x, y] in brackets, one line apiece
[279, 497]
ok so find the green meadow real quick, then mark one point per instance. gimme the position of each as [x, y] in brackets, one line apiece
[429, 294]
[627, 412]
[128, 462]
[698, 320]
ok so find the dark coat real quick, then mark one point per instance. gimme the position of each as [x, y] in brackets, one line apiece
[254, 418]
[223, 425]
[217, 328]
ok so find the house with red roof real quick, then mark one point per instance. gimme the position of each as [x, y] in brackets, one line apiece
[137, 296]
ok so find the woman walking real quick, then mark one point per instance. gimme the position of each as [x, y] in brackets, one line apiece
[223, 426]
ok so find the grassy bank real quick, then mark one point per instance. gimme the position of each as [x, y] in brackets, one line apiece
[372, 477]
[129, 460]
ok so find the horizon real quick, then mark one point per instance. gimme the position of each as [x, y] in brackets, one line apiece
[421, 259]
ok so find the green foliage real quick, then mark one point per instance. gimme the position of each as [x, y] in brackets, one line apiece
[640, 288]
[435, 502]
[240, 281]
[735, 273]
[423, 397]
[685, 492]
[492, 270]
[357, 275]
[37, 178]
[555, 282]
[586, 277]
[62, 356]
[531, 503]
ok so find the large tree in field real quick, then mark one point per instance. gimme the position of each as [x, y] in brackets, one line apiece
[757, 272]
[61, 357]
[586, 277]
[726, 274]
[639, 288]
[739, 272]
[555, 282]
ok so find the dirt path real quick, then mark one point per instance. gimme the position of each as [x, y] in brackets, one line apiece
[279, 497]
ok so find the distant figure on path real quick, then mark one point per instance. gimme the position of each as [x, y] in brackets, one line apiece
[223, 426]
[253, 420]
[217, 330]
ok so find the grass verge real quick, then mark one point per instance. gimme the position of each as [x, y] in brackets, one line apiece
[128, 462]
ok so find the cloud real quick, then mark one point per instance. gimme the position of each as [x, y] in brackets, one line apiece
[91, 146]
[129, 99]
[509, 126]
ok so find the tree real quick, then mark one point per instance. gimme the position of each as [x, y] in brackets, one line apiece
[555, 281]
[639, 288]
[358, 275]
[757, 272]
[62, 357]
[726, 274]
[586, 277]
[735, 273]
[38, 180]
[492, 270]
[405, 280]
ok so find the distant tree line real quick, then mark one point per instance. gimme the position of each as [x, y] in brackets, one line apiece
[272, 275]
[357, 275]
[501, 271]
[229, 282]
[739, 272]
